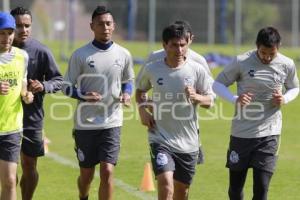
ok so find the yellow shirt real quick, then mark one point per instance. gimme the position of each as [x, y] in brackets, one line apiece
[12, 70]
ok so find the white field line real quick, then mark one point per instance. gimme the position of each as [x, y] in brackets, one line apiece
[119, 183]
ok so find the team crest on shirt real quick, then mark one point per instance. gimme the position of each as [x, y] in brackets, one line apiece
[188, 81]
[251, 72]
[80, 155]
[91, 64]
[161, 159]
[117, 63]
[234, 157]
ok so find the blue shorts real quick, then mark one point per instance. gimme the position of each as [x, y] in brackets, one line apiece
[10, 146]
[95, 146]
[182, 164]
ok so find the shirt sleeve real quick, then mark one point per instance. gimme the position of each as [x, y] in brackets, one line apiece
[290, 95]
[24, 77]
[203, 85]
[224, 92]
[143, 80]
[128, 73]
[26, 60]
[149, 58]
[72, 73]
[53, 78]
[194, 56]
[199, 59]
[292, 80]
[155, 55]
[230, 74]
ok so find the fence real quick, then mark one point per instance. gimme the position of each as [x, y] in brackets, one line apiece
[213, 21]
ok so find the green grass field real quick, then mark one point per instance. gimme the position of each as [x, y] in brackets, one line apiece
[58, 170]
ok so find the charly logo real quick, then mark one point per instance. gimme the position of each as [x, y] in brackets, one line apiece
[251, 72]
[161, 159]
[91, 64]
[80, 155]
[160, 81]
[234, 157]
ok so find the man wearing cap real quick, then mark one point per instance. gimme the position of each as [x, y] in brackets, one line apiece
[43, 77]
[13, 87]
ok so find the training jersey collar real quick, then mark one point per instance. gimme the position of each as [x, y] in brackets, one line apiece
[102, 46]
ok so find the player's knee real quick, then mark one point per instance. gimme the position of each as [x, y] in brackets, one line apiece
[260, 191]
[106, 172]
[28, 163]
[9, 182]
[83, 179]
[29, 168]
[261, 184]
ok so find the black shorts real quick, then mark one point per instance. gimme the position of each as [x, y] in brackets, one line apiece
[33, 143]
[260, 153]
[182, 164]
[95, 146]
[10, 146]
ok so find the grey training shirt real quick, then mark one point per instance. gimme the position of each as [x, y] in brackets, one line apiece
[175, 116]
[94, 70]
[261, 118]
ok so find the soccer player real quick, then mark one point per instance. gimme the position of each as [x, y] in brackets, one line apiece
[13, 64]
[161, 54]
[100, 75]
[43, 77]
[179, 85]
[266, 80]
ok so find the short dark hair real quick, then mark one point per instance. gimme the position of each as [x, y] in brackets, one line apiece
[186, 25]
[100, 10]
[268, 37]
[20, 11]
[174, 31]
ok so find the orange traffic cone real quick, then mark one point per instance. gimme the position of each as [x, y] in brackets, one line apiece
[147, 184]
[46, 142]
